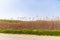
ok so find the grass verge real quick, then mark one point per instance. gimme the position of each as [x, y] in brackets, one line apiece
[34, 32]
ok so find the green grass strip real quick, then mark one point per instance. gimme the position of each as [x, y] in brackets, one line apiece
[34, 32]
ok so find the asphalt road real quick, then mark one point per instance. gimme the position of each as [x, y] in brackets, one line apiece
[27, 37]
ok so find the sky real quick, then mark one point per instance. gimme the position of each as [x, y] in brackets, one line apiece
[29, 8]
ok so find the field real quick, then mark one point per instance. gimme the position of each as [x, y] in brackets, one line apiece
[40, 24]
[39, 27]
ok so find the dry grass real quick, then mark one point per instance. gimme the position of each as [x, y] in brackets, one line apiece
[18, 25]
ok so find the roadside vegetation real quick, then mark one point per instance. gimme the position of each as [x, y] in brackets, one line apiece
[34, 32]
[38, 27]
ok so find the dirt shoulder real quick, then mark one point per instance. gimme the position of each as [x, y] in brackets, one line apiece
[27, 37]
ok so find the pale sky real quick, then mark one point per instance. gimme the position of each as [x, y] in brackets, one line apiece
[29, 8]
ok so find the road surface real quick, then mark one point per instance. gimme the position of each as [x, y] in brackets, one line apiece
[27, 37]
